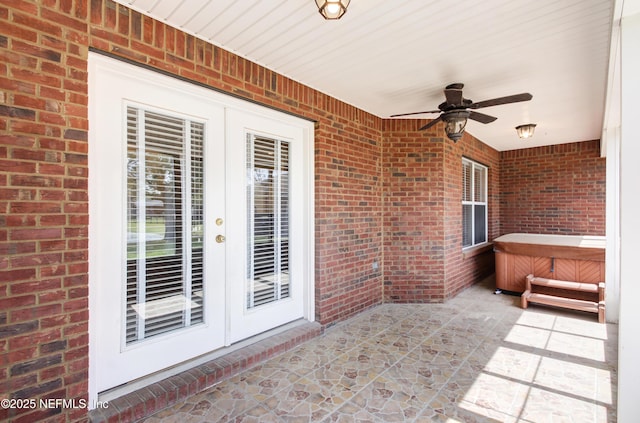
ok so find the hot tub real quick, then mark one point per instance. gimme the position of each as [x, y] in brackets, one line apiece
[561, 257]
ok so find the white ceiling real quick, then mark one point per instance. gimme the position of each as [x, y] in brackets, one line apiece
[396, 56]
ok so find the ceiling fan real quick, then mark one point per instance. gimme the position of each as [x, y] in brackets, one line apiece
[455, 111]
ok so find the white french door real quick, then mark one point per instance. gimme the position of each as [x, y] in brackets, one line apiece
[201, 222]
[266, 215]
[156, 273]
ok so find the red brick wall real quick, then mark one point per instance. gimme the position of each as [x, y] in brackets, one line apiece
[414, 210]
[348, 217]
[43, 180]
[43, 205]
[556, 189]
[422, 175]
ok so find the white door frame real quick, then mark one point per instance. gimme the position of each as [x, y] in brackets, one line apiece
[99, 66]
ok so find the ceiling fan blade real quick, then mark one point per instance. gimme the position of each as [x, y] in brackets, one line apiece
[430, 124]
[416, 113]
[501, 100]
[481, 117]
[453, 95]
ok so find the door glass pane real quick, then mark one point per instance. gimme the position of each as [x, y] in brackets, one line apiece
[164, 224]
[268, 220]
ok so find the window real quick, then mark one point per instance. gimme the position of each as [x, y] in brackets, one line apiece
[164, 255]
[474, 203]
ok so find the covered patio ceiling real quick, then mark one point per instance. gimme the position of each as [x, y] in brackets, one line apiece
[390, 57]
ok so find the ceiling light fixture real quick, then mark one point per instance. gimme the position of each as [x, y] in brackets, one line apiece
[454, 123]
[526, 131]
[332, 9]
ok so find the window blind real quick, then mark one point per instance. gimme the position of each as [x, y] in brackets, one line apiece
[479, 184]
[466, 181]
[164, 224]
[268, 220]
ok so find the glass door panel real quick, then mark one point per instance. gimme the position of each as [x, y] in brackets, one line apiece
[164, 254]
[268, 220]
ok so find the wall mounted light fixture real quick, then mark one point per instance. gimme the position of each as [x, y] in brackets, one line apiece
[526, 131]
[332, 9]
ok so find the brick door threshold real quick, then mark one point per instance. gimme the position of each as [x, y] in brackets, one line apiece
[150, 399]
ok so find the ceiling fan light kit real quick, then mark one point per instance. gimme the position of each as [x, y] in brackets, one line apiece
[526, 131]
[455, 122]
[332, 9]
[455, 111]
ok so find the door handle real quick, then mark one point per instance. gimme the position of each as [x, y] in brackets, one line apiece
[219, 239]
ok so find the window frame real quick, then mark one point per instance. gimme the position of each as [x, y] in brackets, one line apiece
[474, 203]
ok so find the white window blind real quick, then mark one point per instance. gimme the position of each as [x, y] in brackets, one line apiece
[268, 220]
[164, 224]
[474, 203]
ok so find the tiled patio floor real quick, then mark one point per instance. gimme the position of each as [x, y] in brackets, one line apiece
[476, 358]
